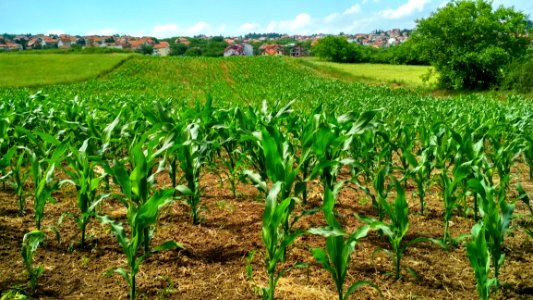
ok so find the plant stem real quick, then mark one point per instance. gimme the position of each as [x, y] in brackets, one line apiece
[132, 287]
[271, 286]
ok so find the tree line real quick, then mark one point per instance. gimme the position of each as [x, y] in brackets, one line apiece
[470, 44]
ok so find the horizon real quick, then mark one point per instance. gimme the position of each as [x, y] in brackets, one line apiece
[170, 18]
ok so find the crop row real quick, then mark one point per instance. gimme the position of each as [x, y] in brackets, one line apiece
[112, 148]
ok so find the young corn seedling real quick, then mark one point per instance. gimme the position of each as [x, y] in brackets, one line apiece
[397, 228]
[496, 215]
[29, 246]
[522, 195]
[136, 182]
[5, 162]
[275, 239]
[19, 175]
[87, 181]
[227, 147]
[449, 189]
[335, 258]
[42, 172]
[141, 217]
[192, 152]
[479, 257]
[421, 174]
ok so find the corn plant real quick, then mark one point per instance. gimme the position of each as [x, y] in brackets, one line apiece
[335, 258]
[192, 151]
[381, 189]
[449, 197]
[479, 257]
[282, 166]
[30, 243]
[528, 153]
[420, 172]
[141, 217]
[332, 141]
[522, 195]
[83, 176]
[136, 182]
[496, 215]
[5, 162]
[43, 179]
[19, 175]
[275, 239]
[397, 228]
[227, 147]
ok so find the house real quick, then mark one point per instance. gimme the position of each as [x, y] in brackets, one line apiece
[94, 41]
[9, 46]
[298, 51]
[64, 43]
[50, 42]
[183, 41]
[239, 50]
[161, 49]
[271, 50]
[136, 44]
[36, 43]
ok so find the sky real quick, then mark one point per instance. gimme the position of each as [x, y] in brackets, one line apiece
[169, 18]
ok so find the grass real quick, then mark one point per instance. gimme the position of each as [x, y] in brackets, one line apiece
[32, 70]
[378, 74]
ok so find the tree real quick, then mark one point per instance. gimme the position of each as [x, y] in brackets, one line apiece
[146, 49]
[469, 43]
[337, 49]
[178, 49]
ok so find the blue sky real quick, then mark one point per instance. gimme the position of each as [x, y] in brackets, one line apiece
[167, 18]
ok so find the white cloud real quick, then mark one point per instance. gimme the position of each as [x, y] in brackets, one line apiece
[104, 31]
[199, 28]
[55, 31]
[171, 30]
[159, 29]
[249, 27]
[404, 10]
[330, 18]
[300, 24]
[353, 10]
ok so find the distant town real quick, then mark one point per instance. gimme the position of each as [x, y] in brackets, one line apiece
[249, 44]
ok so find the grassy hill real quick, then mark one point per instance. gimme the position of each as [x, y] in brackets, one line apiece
[28, 70]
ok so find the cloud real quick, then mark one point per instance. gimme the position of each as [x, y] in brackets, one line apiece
[104, 31]
[353, 10]
[300, 24]
[404, 10]
[55, 31]
[201, 27]
[331, 17]
[159, 29]
[249, 27]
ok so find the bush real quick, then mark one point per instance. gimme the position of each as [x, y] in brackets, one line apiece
[470, 44]
[519, 75]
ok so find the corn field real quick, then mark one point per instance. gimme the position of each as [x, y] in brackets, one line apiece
[336, 180]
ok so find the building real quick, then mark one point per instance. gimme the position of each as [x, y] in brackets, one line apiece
[239, 50]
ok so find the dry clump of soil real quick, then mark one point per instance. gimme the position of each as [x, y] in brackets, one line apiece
[212, 265]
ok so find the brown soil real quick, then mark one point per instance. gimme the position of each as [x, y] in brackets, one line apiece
[212, 265]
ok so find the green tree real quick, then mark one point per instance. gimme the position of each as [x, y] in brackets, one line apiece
[337, 49]
[178, 49]
[146, 49]
[468, 42]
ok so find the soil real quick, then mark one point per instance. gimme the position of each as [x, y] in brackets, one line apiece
[213, 263]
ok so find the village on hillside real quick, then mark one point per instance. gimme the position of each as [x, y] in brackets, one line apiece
[271, 44]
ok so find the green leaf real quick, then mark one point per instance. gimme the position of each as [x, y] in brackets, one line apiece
[168, 245]
[184, 190]
[327, 231]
